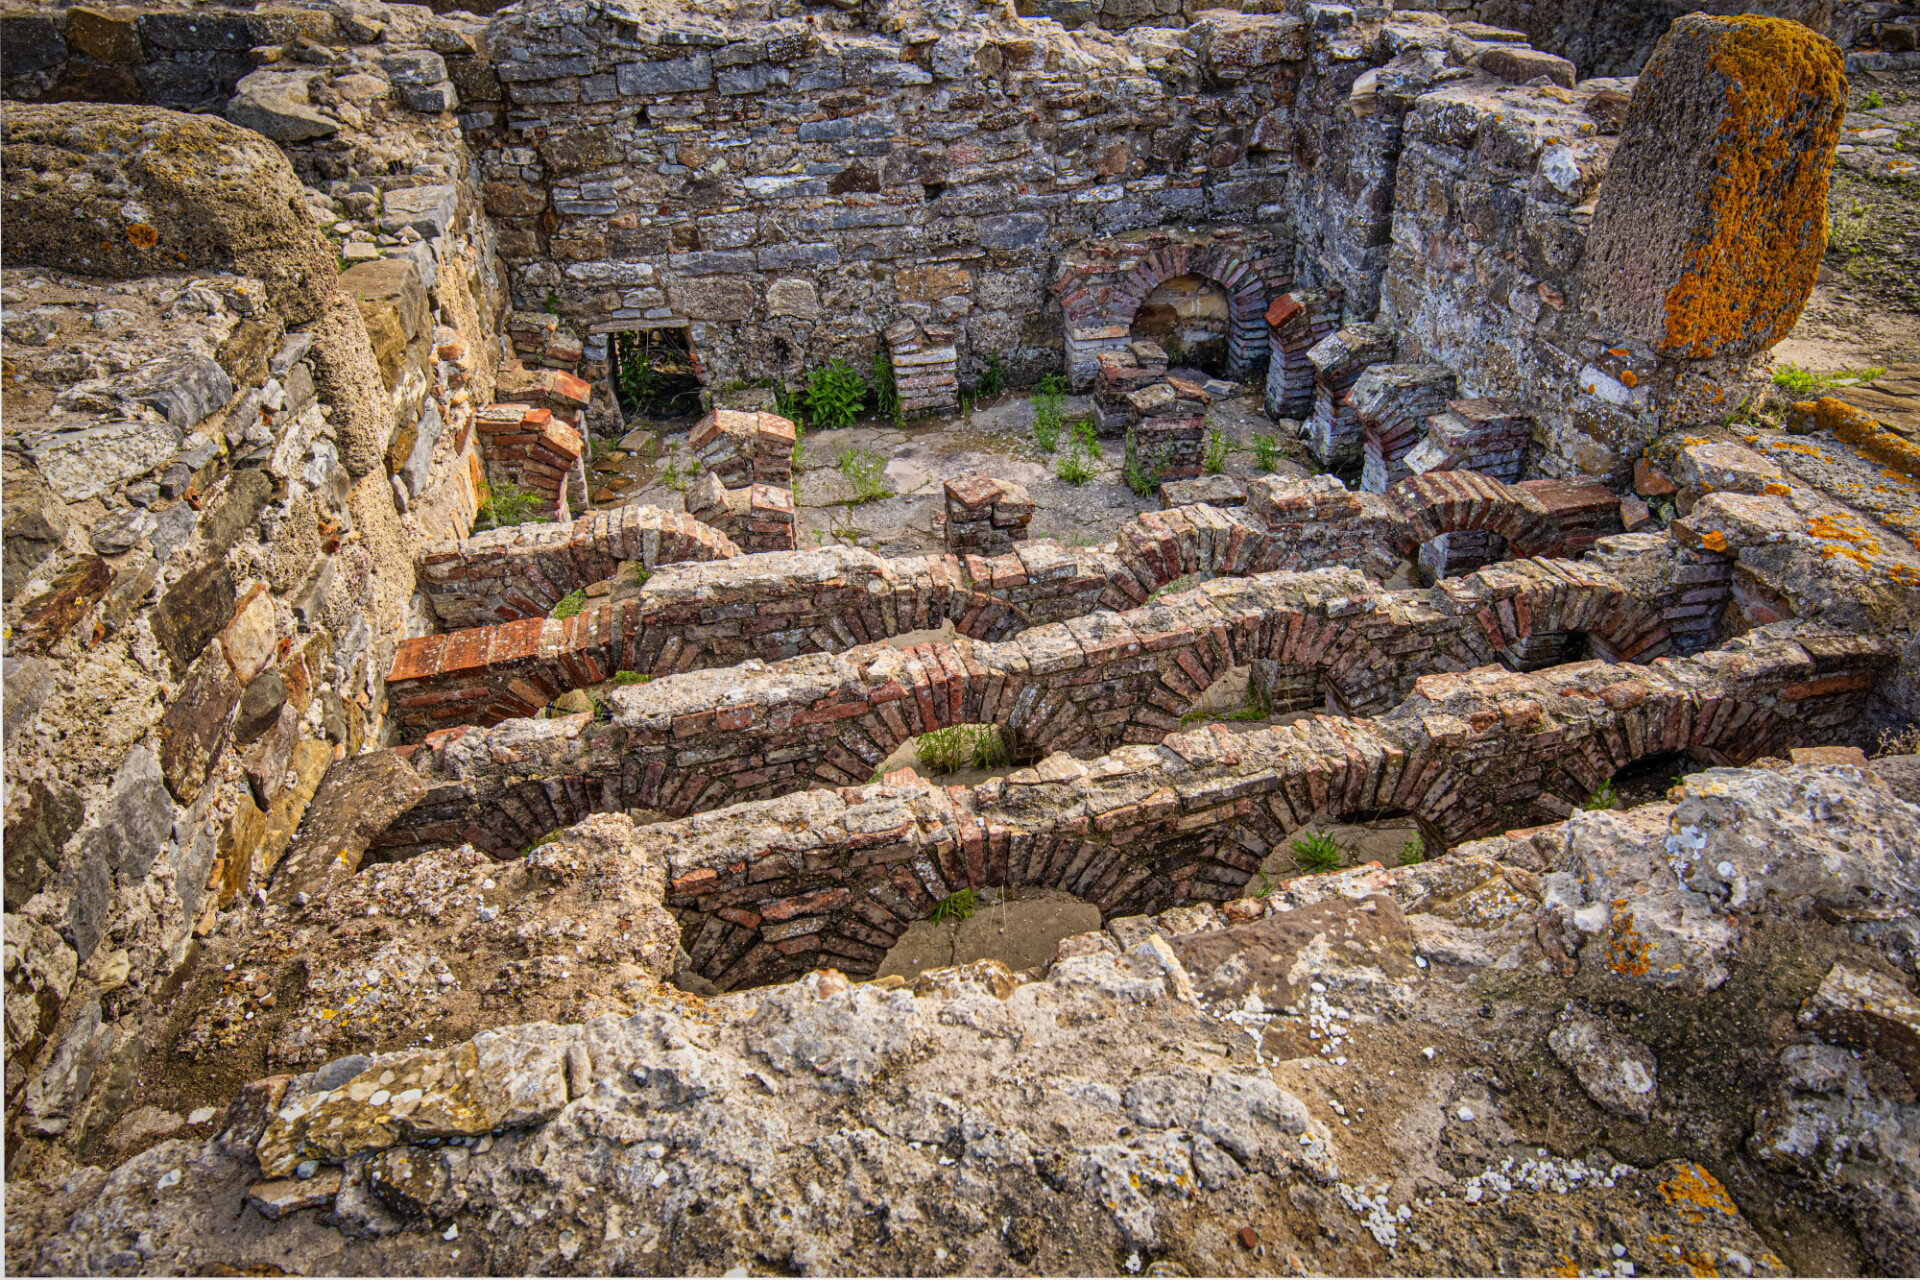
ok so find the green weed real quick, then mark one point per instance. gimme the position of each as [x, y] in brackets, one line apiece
[552, 305]
[1602, 798]
[865, 470]
[956, 906]
[1266, 451]
[1414, 850]
[1874, 101]
[979, 746]
[1049, 412]
[1217, 446]
[1317, 851]
[1143, 474]
[834, 394]
[994, 380]
[631, 677]
[1083, 437]
[570, 605]
[507, 504]
[1074, 469]
[1800, 382]
[886, 388]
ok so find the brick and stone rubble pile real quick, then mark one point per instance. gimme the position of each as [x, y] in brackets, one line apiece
[746, 487]
[1296, 323]
[1139, 364]
[1393, 403]
[985, 516]
[1167, 436]
[1333, 432]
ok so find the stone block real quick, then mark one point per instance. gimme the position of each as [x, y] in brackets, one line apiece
[1522, 66]
[1711, 222]
[194, 728]
[669, 75]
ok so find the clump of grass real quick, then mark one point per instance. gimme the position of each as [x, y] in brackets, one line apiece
[1049, 412]
[1316, 851]
[787, 402]
[956, 906]
[886, 389]
[507, 504]
[835, 392]
[1874, 101]
[981, 746]
[631, 677]
[866, 471]
[1414, 850]
[1074, 469]
[1603, 797]
[1266, 451]
[1792, 378]
[1217, 447]
[570, 605]
[1143, 474]
[994, 380]
[1077, 466]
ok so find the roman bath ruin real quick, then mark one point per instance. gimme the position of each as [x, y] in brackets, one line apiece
[1144, 637]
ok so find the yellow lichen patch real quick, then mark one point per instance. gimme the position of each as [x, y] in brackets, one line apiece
[1693, 1192]
[142, 236]
[1627, 951]
[1746, 280]
[1858, 428]
[1777, 489]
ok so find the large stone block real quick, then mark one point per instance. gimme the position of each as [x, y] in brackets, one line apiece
[187, 192]
[1713, 216]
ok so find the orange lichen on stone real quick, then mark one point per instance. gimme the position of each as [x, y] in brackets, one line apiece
[1860, 429]
[1626, 949]
[1748, 279]
[1694, 1192]
[142, 236]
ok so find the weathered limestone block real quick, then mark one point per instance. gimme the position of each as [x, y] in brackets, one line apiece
[189, 191]
[1712, 218]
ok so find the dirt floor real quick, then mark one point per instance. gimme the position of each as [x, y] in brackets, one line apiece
[1865, 309]
[652, 465]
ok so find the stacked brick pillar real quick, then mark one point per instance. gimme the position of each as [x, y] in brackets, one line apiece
[747, 489]
[985, 516]
[1295, 323]
[1333, 433]
[926, 367]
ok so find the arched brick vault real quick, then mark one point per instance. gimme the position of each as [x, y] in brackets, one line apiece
[833, 875]
[693, 615]
[1101, 287]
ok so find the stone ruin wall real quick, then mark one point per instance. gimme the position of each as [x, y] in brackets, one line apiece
[256, 533]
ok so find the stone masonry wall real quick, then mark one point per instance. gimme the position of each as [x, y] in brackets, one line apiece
[834, 876]
[700, 740]
[777, 606]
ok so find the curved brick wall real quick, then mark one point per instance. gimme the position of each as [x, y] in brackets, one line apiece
[705, 739]
[522, 571]
[778, 606]
[832, 876]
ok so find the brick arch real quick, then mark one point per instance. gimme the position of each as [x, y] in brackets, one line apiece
[1442, 502]
[1228, 266]
[1100, 288]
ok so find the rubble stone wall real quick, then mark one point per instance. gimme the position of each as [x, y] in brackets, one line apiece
[700, 740]
[833, 876]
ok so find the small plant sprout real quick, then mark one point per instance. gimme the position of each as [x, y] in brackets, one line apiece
[1217, 447]
[507, 504]
[1316, 851]
[1266, 451]
[631, 677]
[1414, 850]
[943, 751]
[1603, 797]
[1143, 474]
[866, 471]
[994, 380]
[570, 605]
[956, 906]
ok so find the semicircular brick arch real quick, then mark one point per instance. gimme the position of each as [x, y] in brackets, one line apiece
[1102, 285]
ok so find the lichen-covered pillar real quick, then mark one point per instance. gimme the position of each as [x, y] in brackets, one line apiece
[1713, 216]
